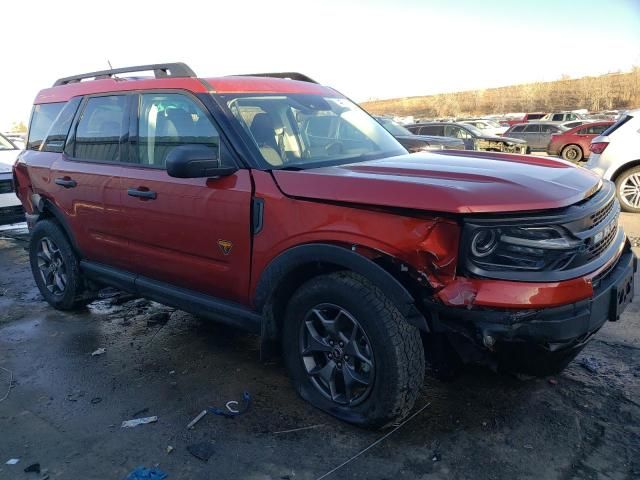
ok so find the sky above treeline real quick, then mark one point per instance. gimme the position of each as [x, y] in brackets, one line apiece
[365, 49]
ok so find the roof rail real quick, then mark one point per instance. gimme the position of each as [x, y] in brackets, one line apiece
[287, 75]
[160, 70]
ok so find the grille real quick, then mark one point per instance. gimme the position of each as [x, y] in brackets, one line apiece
[6, 186]
[594, 251]
[600, 215]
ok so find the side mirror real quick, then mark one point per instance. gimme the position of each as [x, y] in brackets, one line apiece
[196, 161]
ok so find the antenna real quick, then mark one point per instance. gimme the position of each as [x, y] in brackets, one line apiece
[110, 67]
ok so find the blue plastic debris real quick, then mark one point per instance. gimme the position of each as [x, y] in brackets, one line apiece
[144, 473]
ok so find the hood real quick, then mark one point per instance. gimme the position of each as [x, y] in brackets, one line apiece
[431, 139]
[495, 138]
[460, 182]
[7, 159]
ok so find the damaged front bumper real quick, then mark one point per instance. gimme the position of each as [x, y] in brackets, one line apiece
[536, 341]
[500, 146]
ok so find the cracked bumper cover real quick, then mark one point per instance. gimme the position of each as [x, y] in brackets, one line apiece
[542, 340]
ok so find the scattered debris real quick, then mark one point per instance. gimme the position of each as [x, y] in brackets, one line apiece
[299, 429]
[34, 467]
[230, 411]
[75, 396]
[193, 422]
[99, 351]
[96, 400]
[6, 395]
[590, 364]
[138, 421]
[170, 449]
[12, 461]
[382, 438]
[144, 473]
[528, 447]
[436, 457]
[553, 381]
[201, 451]
[172, 372]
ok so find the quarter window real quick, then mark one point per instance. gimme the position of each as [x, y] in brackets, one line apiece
[60, 129]
[42, 117]
[170, 120]
[100, 129]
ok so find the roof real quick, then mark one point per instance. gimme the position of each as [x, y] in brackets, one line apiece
[232, 84]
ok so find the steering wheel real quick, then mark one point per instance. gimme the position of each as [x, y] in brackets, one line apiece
[333, 148]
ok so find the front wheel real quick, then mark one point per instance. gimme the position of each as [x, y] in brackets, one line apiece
[350, 352]
[628, 190]
[55, 267]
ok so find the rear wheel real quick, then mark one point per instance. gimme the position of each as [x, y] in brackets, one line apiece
[350, 352]
[628, 190]
[572, 153]
[55, 267]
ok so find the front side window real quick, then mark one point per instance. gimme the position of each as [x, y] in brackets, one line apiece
[100, 129]
[42, 118]
[517, 129]
[433, 130]
[306, 131]
[456, 132]
[532, 128]
[168, 120]
[558, 117]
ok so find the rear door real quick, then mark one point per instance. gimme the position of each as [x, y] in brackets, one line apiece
[531, 134]
[188, 232]
[85, 177]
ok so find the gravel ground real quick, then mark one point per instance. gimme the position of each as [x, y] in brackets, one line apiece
[65, 406]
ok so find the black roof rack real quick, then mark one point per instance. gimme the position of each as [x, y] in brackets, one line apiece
[287, 75]
[160, 70]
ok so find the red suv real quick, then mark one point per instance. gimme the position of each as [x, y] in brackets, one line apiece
[279, 206]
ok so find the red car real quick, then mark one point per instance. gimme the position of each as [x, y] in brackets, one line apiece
[279, 206]
[528, 117]
[573, 145]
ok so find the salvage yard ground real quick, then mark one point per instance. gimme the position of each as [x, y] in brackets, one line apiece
[65, 407]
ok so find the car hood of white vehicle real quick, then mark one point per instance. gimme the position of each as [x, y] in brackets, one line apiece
[7, 159]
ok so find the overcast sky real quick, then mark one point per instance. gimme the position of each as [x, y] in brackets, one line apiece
[365, 49]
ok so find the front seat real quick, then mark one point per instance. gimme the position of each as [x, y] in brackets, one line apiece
[264, 134]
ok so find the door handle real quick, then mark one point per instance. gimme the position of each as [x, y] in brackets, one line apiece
[65, 182]
[136, 192]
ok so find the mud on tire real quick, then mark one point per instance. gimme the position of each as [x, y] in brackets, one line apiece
[381, 334]
[55, 267]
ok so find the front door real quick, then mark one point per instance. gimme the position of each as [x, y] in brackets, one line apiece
[193, 233]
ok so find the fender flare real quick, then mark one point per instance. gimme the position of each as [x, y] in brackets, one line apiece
[43, 205]
[296, 257]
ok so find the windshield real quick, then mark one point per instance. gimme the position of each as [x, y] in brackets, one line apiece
[394, 128]
[307, 131]
[5, 144]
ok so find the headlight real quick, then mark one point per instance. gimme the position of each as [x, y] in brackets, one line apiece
[433, 147]
[521, 248]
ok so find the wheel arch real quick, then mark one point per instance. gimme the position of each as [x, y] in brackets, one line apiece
[624, 167]
[46, 209]
[290, 269]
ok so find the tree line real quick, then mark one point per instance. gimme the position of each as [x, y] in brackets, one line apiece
[605, 92]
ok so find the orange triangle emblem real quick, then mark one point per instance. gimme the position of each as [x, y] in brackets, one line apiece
[225, 246]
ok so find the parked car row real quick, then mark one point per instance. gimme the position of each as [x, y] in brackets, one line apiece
[11, 210]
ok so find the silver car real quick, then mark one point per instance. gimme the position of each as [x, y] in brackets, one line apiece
[536, 134]
[615, 155]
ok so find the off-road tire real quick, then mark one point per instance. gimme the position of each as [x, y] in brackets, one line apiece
[620, 181]
[397, 349]
[73, 295]
[572, 153]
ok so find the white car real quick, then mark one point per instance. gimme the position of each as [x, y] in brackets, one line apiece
[487, 126]
[615, 155]
[10, 207]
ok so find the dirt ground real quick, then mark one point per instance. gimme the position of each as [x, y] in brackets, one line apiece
[65, 406]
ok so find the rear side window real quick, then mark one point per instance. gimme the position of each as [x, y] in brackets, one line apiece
[617, 125]
[558, 117]
[58, 132]
[42, 118]
[100, 128]
[532, 128]
[435, 130]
